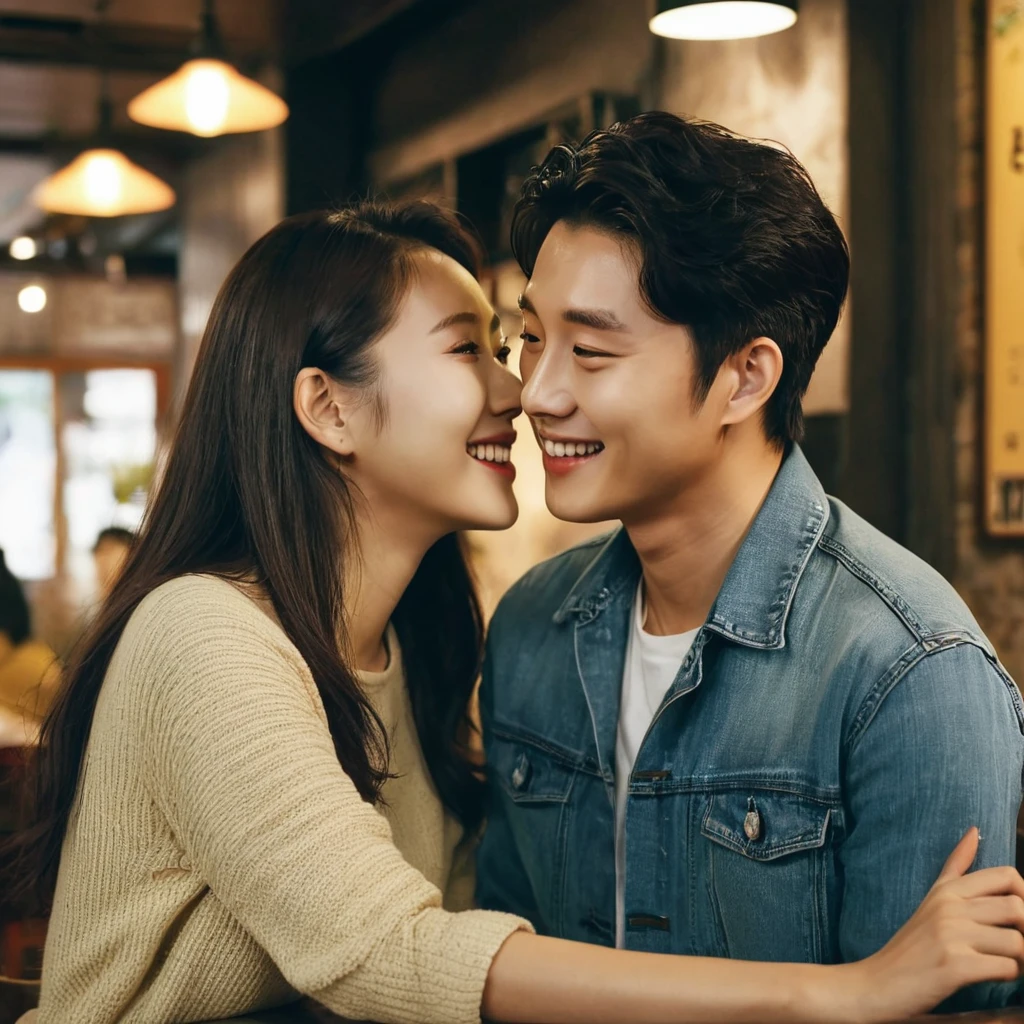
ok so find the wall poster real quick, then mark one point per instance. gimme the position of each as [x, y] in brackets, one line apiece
[1004, 270]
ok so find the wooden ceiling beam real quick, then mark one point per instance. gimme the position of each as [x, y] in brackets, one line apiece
[69, 41]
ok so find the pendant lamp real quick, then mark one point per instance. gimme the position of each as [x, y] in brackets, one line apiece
[206, 95]
[722, 19]
[102, 181]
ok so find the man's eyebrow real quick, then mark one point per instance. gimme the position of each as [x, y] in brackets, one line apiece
[465, 317]
[595, 319]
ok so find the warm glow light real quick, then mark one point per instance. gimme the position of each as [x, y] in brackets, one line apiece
[23, 248]
[208, 97]
[32, 298]
[723, 19]
[103, 183]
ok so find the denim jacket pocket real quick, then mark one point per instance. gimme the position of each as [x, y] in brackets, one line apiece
[540, 787]
[770, 873]
[527, 774]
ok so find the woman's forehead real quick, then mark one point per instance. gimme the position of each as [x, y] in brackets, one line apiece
[443, 286]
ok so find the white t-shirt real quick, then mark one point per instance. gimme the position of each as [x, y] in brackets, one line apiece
[652, 663]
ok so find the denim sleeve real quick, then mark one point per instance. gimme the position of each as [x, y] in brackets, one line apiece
[941, 750]
[501, 880]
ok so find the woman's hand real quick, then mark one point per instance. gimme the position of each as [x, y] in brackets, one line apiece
[969, 928]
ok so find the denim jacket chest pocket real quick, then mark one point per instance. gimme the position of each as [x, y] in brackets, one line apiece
[539, 786]
[770, 872]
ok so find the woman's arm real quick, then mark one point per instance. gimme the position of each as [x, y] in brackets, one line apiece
[967, 930]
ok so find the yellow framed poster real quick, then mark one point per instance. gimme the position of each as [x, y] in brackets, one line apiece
[1004, 270]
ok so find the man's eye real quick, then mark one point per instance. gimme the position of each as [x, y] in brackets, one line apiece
[588, 353]
[528, 338]
[467, 348]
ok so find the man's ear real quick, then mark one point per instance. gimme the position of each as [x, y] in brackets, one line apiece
[755, 371]
[320, 405]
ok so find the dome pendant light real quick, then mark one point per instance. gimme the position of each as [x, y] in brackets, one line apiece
[102, 181]
[207, 96]
[722, 19]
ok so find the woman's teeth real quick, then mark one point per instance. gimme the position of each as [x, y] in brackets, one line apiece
[570, 449]
[490, 452]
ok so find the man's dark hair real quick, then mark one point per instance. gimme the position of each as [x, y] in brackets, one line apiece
[117, 534]
[14, 614]
[734, 240]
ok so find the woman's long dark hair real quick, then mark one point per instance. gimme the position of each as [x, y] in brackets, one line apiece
[247, 494]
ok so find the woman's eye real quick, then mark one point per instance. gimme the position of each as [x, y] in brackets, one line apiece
[528, 338]
[502, 355]
[587, 353]
[467, 348]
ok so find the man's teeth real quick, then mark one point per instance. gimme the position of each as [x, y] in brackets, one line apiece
[490, 452]
[570, 449]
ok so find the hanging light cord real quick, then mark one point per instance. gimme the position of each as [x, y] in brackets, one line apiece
[104, 128]
[209, 42]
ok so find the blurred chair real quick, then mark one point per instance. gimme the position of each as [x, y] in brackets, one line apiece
[18, 998]
[22, 927]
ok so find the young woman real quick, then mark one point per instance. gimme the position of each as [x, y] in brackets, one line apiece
[253, 781]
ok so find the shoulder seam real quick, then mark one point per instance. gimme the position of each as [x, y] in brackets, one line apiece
[899, 669]
[886, 594]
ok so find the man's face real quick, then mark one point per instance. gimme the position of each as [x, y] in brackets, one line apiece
[608, 385]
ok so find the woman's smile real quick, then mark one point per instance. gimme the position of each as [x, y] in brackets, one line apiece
[494, 453]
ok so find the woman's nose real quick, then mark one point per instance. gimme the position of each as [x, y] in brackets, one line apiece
[506, 390]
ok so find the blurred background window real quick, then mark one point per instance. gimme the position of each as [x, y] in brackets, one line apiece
[28, 462]
[88, 435]
[108, 443]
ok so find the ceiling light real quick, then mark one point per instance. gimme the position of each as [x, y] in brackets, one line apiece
[103, 183]
[32, 298]
[722, 19]
[206, 95]
[23, 248]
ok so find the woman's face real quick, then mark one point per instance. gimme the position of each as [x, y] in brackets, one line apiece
[435, 451]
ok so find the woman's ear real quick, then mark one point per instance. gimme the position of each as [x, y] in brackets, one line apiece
[756, 371]
[319, 403]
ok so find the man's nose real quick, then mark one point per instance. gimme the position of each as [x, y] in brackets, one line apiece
[547, 392]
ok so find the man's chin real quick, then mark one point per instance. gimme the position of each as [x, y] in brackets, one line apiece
[575, 508]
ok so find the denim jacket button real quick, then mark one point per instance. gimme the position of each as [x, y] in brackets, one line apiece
[521, 773]
[752, 825]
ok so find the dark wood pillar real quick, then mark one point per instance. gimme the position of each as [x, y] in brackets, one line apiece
[899, 470]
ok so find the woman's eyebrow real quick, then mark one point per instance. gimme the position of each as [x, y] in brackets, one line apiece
[465, 317]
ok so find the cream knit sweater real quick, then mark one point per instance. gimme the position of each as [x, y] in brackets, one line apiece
[220, 861]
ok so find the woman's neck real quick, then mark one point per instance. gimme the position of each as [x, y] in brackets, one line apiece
[386, 561]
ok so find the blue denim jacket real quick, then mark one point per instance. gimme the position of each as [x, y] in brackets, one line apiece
[839, 723]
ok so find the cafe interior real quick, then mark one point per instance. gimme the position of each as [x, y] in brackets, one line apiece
[145, 144]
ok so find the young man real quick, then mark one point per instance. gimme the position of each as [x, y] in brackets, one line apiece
[746, 724]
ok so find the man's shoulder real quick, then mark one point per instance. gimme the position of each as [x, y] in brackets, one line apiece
[539, 593]
[896, 585]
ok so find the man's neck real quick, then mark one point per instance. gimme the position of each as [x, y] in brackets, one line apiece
[687, 549]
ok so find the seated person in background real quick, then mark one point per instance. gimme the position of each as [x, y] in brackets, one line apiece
[109, 552]
[28, 669]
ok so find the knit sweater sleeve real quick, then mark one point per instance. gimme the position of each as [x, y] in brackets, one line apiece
[240, 761]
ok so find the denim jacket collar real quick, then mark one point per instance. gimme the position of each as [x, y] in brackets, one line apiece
[758, 591]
